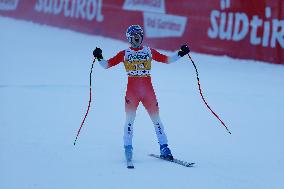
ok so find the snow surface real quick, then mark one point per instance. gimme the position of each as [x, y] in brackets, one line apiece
[44, 77]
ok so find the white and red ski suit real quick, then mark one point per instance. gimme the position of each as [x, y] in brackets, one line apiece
[137, 62]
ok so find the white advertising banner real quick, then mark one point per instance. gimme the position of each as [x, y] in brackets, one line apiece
[157, 6]
[164, 25]
[8, 4]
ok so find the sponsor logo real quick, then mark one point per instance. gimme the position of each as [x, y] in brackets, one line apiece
[145, 5]
[164, 25]
[139, 56]
[79, 9]
[8, 4]
[236, 26]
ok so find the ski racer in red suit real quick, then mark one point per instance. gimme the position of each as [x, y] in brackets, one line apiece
[137, 60]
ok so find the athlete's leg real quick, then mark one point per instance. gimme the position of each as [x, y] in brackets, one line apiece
[131, 104]
[159, 128]
[128, 128]
[151, 104]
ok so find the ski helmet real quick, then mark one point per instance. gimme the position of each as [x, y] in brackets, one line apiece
[132, 31]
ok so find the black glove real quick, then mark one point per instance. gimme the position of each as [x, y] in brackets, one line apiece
[98, 53]
[183, 50]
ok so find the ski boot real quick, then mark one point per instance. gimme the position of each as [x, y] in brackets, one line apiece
[166, 152]
[128, 156]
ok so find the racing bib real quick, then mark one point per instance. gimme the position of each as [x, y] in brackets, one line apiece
[138, 63]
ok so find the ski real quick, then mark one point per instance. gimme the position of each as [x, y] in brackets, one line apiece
[177, 161]
[130, 165]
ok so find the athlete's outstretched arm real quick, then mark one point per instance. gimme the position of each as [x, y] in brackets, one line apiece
[112, 61]
[169, 59]
[163, 58]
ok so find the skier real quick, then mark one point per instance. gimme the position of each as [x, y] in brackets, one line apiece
[137, 61]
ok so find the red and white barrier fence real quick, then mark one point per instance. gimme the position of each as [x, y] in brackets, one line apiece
[238, 28]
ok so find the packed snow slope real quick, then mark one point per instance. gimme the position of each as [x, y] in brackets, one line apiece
[44, 93]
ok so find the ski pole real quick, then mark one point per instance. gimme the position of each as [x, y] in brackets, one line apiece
[201, 94]
[89, 104]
